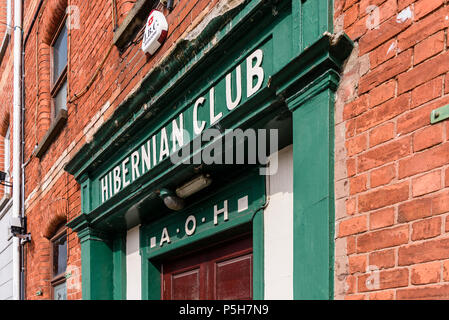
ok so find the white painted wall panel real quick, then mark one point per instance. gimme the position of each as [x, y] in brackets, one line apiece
[5, 258]
[133, 265]
[278, 230]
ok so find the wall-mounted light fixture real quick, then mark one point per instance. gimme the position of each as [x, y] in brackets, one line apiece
[193, 186]
[175, 200]
[170, 199]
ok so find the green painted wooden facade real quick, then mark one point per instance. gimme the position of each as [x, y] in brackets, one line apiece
[301, 62]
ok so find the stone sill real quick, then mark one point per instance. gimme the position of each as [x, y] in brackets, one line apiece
[133, 22]
[52, 132]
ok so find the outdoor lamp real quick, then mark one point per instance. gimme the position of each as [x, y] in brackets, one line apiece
[171, 200]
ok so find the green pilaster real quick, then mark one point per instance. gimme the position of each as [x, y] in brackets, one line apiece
[96, 265]
[313, 188]
[119, 260]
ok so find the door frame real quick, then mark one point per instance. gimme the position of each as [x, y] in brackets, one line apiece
[253, 223]
[151, 270]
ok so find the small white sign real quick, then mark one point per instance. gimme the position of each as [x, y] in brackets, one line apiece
[156, 31]
[153, 242]
[242, 204]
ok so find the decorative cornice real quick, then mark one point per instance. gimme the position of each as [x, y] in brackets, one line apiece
[90, 234]
[317, 68]
[328, 80]
[79, 223]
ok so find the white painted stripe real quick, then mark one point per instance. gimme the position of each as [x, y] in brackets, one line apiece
[133, 265]
[278, 230]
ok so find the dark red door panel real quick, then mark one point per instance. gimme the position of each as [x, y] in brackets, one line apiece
[222, 272]
[233, 280]
[186, 285]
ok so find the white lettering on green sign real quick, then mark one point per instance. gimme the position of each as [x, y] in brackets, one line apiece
[157, 147]
[220, 216]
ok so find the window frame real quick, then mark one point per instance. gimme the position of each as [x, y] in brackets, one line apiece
[7, 153]
[59, 278]
[56, 84]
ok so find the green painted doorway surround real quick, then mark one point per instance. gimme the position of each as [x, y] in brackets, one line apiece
[302, 61]
[249, 219]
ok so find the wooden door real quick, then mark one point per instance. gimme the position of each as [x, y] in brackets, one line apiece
[222, 272]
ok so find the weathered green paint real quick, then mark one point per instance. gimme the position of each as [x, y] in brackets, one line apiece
[313, 189]
[139, 127]
[303, 61]
[316, 20]
[278, 64]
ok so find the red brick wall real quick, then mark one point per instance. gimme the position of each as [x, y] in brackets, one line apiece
[392, 165]
[123, 7]
[51, 194]
[2, 18]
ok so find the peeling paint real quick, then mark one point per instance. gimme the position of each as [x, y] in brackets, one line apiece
[222, 8]
[404, 15]
[354, 68]
[392, 46]
[335, 37]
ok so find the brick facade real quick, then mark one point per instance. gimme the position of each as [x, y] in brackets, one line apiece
[391, 163]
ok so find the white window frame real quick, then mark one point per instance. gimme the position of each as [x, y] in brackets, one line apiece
[7, 154]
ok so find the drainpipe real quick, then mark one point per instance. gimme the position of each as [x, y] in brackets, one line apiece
[17, 142]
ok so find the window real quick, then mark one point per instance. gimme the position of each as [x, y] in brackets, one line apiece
[59, 263]
[59, 70]
[53, 50]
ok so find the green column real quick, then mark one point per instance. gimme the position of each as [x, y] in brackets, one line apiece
[96, 265]
[119, 262]
[313, 188]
